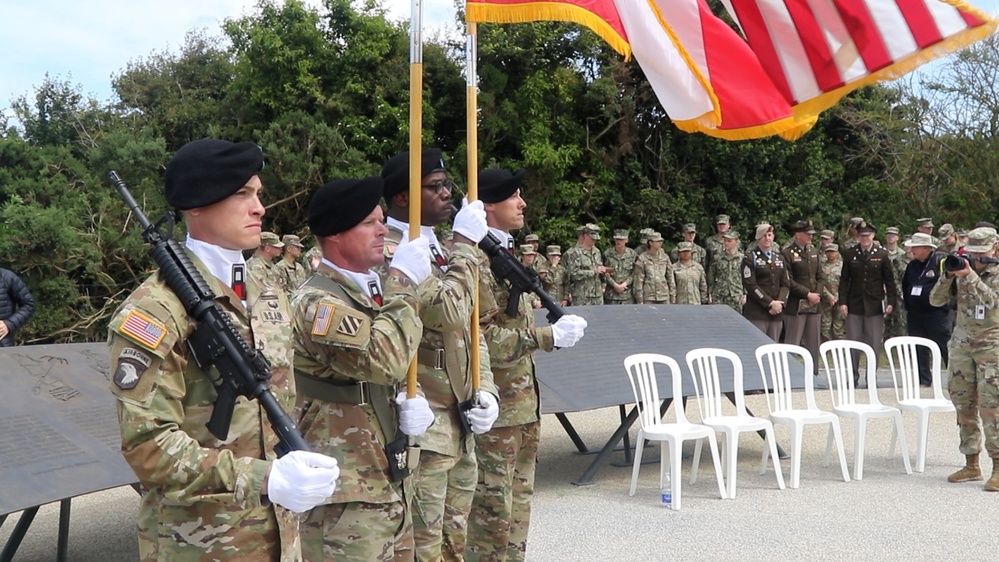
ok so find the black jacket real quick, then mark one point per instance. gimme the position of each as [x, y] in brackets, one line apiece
[16, 304]
[923, 275]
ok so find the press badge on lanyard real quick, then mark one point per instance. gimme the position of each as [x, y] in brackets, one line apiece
[979, 312]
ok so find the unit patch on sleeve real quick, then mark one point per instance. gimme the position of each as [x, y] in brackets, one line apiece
[143, 329]
[132, 363]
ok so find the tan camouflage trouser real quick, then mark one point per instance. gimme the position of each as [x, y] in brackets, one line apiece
[974, 389]
[895, 323]
[833, 326]
[358, 531]
[501, 510]
[443, 490]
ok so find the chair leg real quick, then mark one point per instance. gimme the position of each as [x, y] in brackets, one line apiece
[713, 443]
[858, 448]
[839, 448]
[638, 462]
[829, 444]
[763, 459]
[697, 460]
[772, 445]
[731, 459]
[895, 432]
[675, 456]
[903, 447]
[921, 431]
[796, 432]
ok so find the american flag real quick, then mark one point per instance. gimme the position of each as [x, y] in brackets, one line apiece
[143, 329]
[324, 316]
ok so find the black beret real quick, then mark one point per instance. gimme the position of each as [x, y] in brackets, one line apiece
[341, 205]
[497, 185]
[396, 170]
[207, 171]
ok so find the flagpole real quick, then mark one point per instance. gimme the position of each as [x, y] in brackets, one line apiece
[472, 126]
[415, 142]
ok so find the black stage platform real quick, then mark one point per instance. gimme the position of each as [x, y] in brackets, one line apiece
[591, 374]
[59, 434]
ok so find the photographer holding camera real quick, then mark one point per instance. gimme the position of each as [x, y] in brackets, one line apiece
[974, 361]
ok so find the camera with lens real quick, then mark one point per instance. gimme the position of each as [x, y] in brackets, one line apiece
[955, 262]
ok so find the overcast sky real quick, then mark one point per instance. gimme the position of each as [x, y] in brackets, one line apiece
[86, 42]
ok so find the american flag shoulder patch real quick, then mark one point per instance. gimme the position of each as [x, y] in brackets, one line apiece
[143, 329]
[324, 319]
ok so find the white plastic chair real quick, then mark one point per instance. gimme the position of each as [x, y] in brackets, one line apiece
[837, 356]
[905, 376]
[774, 363]
[641, 369]
[703, 365]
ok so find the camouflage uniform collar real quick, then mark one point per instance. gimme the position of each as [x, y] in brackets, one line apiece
[362, 282]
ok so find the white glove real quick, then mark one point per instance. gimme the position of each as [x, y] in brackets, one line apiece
[470, 221]
[415, 415]
[482, 417]
[568, 330]
[413, 259]
[302, 480]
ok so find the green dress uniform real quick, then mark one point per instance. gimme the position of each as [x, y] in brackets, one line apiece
[444, 483]
[654, 281]
[508, 453]
[623, 266]
[802, 321]
[350, 353]
[201, 499]
[765, 279]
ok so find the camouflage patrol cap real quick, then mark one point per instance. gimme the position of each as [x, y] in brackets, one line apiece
[925, 222]
[621, 234]
[827, 234]
[892, 230]
[554, 250]
[685, 247]
[270, 239]
[981, 240]
[655, 237]
[855, 221]
[731, 235]
[722, 219]
[292, 240]
[830, 248]
[527, 250]
[689, 227]
[946, 230]
[643, 235]
[532, 238]
[962, 232]
[591, 229]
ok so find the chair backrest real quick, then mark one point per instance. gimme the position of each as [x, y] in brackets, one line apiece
[641, 368]
[774, 361]
[703, 365]
[901, 352]
[837, 356]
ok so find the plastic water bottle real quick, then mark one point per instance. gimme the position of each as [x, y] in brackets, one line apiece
[666, 494]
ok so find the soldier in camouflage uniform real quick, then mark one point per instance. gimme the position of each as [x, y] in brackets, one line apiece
[949, 241]
[725, 274]
[621, 259]
[313, 257]
[925, 225]
[584, 269]
[261, 267]
[290, 272]
[508, 454]
[553, 276]
[444, 483]
[643, 241]
[765, 278]
[654, 281]
[826, 237]
[689, 234]
[714, 245]
[833, 325]
[538, 264]
[355, 335]
[895, 322]
[851, 233]
[974, 355]
[690, 280]
[204, 498]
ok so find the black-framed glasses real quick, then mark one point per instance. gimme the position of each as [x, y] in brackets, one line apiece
[440, 185]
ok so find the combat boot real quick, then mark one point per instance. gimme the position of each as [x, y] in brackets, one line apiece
[970, 473]
[993, 484]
